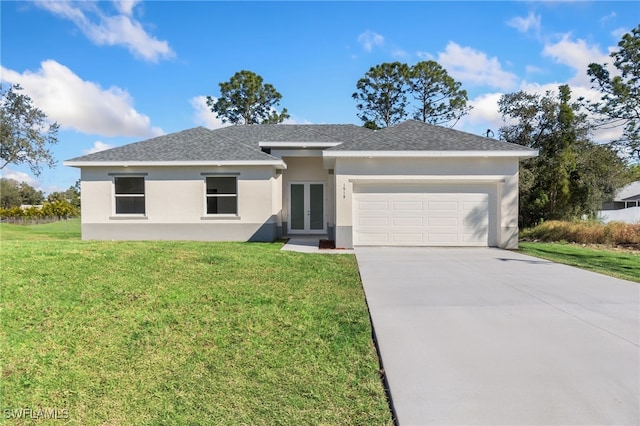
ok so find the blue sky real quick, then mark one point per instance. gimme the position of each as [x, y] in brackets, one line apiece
[112, 73]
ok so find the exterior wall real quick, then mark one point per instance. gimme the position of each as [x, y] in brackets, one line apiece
[503, 195]
[176, 208]
[307, 169]
[628, 215]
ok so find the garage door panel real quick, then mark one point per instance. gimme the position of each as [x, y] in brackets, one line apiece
[369, 237]
[442, 221]
[373, 205]
[373, 221]
[451, 206]
[406, 206]
[443, 237]
[474, 218]
[430, 217]
[408, 238]
[468, 206]
[407, 222]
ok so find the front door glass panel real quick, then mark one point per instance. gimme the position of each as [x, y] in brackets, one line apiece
[316, 206]
[297, 207]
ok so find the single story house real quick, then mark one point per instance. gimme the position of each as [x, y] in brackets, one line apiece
[625, 206]
[413, 184]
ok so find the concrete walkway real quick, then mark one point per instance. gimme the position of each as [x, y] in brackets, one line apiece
[490, 337]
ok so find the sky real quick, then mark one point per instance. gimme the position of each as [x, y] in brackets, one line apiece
[115, 72]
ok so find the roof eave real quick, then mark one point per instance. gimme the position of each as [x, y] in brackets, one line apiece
[430, 154]
[278, 164]
[298, 144]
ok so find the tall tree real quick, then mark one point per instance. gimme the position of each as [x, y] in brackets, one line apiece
[14, 193]
[25, 133]
[438, 96]
[245, 99]
[572, 176]
[382, 95]
[30, 195]
[620, 101]
[9, 193]
[71, 195]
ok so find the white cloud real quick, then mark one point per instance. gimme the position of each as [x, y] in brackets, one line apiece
[293, 120]
[473, 67]
[203, 114]
[122, 30]
[400, 54]
[608, 17]
[370, 39]
[576, 54]
[531, 22]
[425, 56]
[21, 177]
[97, 147]
[81, 105]
[532, 69]
[485, 111]
[125, 6]
[619, 32]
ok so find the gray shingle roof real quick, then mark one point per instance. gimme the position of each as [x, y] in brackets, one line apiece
[294, 133]
[413, 135]
[240, 143]
[629, 193]
[198, 144]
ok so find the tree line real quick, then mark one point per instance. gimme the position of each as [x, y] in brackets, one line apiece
[14, 194]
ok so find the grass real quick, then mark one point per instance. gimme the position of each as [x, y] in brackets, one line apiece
[64, 229]
[616, 263]
[184, 333]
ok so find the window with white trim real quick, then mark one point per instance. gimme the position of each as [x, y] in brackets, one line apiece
[222, 195]
[129, 194]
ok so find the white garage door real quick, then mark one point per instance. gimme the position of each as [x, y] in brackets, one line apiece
[434, 216]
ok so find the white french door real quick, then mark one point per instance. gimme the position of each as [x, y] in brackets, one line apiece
[306, 208]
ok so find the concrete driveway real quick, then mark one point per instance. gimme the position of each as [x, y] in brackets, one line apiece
[485, 336]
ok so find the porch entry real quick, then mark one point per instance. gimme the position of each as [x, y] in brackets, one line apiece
[306, 208]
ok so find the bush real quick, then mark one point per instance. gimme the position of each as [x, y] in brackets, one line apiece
[11, 212]
[58, 208]
[623, 233]
[584, 232]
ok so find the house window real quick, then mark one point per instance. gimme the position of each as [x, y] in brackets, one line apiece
[222, 195]
[129, 193]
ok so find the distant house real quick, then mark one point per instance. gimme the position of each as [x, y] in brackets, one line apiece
[413, 184]
[625, 206]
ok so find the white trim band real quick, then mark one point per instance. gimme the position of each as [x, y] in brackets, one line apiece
[388, 154]
[277, 164]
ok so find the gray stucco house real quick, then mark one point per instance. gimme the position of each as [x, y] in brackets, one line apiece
[625, 206]
[411, 184]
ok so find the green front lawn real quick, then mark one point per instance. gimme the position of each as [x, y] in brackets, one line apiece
[617, 263]
[62, 230]
[185, 333]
